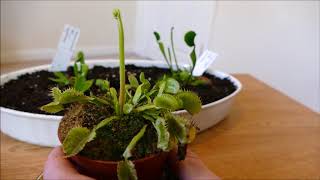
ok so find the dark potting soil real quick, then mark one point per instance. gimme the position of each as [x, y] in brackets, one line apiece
[30, 91]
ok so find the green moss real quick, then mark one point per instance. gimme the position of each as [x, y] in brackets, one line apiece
[82, 115]
[112, 140]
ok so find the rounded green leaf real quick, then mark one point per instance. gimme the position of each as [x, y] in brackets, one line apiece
[137, 95]
[76, 140]
[189, 38]
[172, 86]
[157, 35]
[80, 57]
[167, 101]
[127, 108]
[190, 101]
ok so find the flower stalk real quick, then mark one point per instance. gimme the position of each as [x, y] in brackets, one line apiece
[117, 16]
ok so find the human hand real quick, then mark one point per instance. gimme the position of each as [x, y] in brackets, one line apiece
[58, 167]
[192, 168]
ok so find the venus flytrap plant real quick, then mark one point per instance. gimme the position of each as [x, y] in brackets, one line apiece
[79, 81]
[149, 106]
[184, 76]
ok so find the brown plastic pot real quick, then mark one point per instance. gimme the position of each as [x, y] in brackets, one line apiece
[147, 168]
[150, 167]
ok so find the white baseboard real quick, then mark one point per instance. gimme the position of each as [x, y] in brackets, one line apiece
[45, 54]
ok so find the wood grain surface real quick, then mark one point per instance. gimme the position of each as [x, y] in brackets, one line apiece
[266, 136]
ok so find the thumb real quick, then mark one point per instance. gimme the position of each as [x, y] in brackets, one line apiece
[58, 167]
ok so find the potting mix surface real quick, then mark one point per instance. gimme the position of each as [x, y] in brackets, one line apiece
[30, 91]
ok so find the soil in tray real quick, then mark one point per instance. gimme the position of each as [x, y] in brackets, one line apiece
[30, 91]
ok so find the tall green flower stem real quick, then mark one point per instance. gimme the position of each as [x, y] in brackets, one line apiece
[117, 16]
[173, 51]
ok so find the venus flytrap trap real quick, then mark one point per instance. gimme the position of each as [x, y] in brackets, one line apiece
[139, 121]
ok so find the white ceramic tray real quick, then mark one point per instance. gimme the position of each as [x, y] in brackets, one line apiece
[41, 129]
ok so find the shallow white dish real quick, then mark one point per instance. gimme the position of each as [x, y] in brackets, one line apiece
[42, 129]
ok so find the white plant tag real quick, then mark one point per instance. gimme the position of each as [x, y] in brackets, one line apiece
[66, 46]
[203, 63]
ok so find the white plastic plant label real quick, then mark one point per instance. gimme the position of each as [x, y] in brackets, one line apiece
[66, 47]
[203, 63]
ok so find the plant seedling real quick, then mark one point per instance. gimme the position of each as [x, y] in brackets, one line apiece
[136, 114]
[79, 81]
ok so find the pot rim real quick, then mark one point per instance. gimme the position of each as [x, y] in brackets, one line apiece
[116, 162]
[142, 62]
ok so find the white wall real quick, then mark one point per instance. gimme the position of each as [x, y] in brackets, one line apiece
[276, 41]
[31, 29]
[184, 16]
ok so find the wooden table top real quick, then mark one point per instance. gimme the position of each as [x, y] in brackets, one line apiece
[266, 136]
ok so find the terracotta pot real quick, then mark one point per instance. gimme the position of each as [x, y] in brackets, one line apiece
[151, 167]
[147, 168]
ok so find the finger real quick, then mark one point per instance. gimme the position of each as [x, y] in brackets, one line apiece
[58, 167]
[192, 168]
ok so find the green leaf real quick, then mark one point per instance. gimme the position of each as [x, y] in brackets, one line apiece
[76, 69]
[80, 57]
[127, 108]
[177, 127]
[162, 86]
[84, 70]
[137, 95]
[184, 75]
[190, 102]
[56, 93]
[103, 84]
[52, 107]
[142, 77]
[133, 81]
[71, 95]
[104, 122]
[163, 134]
[148, 117]
[113, 93]
[60, 78]
[81, 84]
[189, 38]
[172, 86]
[145, 107]
[76, 140]
[126, 170]
[99, 101]
[167, 101]
[145, 83]
[60, 98]
[157, 35]
[134, 141]
[78, 137]
[87, 85]
[154, 113]
[161, 47]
